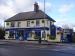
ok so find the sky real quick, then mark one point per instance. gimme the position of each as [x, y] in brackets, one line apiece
[62, 11]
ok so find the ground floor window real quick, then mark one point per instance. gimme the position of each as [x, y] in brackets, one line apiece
[11, 34]
[30, 34]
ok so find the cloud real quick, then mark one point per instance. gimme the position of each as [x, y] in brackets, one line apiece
[5, 10]
[21, 5]
[3, 2]
[65, 8]
[64, 23]
[60, 22]
[15, 6]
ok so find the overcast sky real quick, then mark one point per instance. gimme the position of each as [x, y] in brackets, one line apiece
[63, 11]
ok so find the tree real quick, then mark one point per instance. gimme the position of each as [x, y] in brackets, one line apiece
[73, 39]
[2, 33]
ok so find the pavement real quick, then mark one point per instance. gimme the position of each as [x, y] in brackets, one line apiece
[30, 42]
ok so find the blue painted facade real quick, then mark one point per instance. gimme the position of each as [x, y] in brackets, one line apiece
[53, 30]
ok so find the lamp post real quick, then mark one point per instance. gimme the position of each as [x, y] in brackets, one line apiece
[44, 22]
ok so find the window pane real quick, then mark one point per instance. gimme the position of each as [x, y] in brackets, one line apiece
[12, 24]
[28, 23]
[19, 24]
[11, 34]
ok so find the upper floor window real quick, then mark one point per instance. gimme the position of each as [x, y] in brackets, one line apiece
[18, 24]
[28, 23]
[12, 24]
[37, 22]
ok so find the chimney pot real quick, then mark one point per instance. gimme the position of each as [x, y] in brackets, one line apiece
[36, 7]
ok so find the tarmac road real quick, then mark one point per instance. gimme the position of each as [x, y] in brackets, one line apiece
[13, 49]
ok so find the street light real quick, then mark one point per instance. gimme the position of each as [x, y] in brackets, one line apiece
[44, 21]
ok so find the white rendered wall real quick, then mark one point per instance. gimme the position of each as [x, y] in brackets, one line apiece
[24, 24]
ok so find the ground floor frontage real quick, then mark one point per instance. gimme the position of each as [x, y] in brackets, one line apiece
[27, 33]
[31, 34]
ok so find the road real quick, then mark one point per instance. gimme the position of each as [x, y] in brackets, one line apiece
[13, 49]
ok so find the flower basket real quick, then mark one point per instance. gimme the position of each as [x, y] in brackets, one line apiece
[60, 32]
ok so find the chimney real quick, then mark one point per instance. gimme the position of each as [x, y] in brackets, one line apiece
[36, 7]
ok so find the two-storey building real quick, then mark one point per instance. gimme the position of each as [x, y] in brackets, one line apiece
[29, 25]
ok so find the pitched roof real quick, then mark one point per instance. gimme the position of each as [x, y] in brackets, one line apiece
[29, 16]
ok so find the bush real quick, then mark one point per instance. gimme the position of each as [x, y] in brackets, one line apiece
[73, 38]
[51, 37]
[36, 37]
[2, 33]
